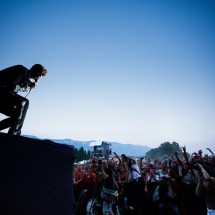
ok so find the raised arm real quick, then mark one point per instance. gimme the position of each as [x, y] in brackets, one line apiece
[210, 151]
[119, 159]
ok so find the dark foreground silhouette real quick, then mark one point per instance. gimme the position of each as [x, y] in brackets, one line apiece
[36, 176]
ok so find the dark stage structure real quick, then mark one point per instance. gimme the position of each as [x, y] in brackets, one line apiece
[35, 176]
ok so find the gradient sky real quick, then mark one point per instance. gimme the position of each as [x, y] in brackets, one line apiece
[130, 71]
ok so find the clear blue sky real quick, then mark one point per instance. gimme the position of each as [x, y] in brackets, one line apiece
[131, 71]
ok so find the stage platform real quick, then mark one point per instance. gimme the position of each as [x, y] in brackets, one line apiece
[35, 176]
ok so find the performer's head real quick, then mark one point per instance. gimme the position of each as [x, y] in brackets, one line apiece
[37, 71]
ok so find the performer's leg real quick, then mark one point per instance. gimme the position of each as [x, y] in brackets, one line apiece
[18, 118]
[7, 108]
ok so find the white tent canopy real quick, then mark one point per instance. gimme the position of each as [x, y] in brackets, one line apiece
[96, 143]
[83, 162]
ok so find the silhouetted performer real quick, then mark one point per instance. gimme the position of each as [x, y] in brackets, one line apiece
[13, 80]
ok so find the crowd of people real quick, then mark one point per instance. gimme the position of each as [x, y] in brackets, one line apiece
[179, 185]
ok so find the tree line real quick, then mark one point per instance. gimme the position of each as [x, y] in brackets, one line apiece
[81, 154]
[165, 149]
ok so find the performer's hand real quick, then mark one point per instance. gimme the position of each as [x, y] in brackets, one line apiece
[33, 85]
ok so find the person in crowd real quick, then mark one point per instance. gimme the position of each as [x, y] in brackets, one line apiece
[135, 188]
[78, 182]
[164, 171]
[109, 188]
[152, 182]
[167, 204]
[16, 79]
[121, 177]
[206, 187]
[89, 180]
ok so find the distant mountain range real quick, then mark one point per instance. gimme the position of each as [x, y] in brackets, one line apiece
[119, 148]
